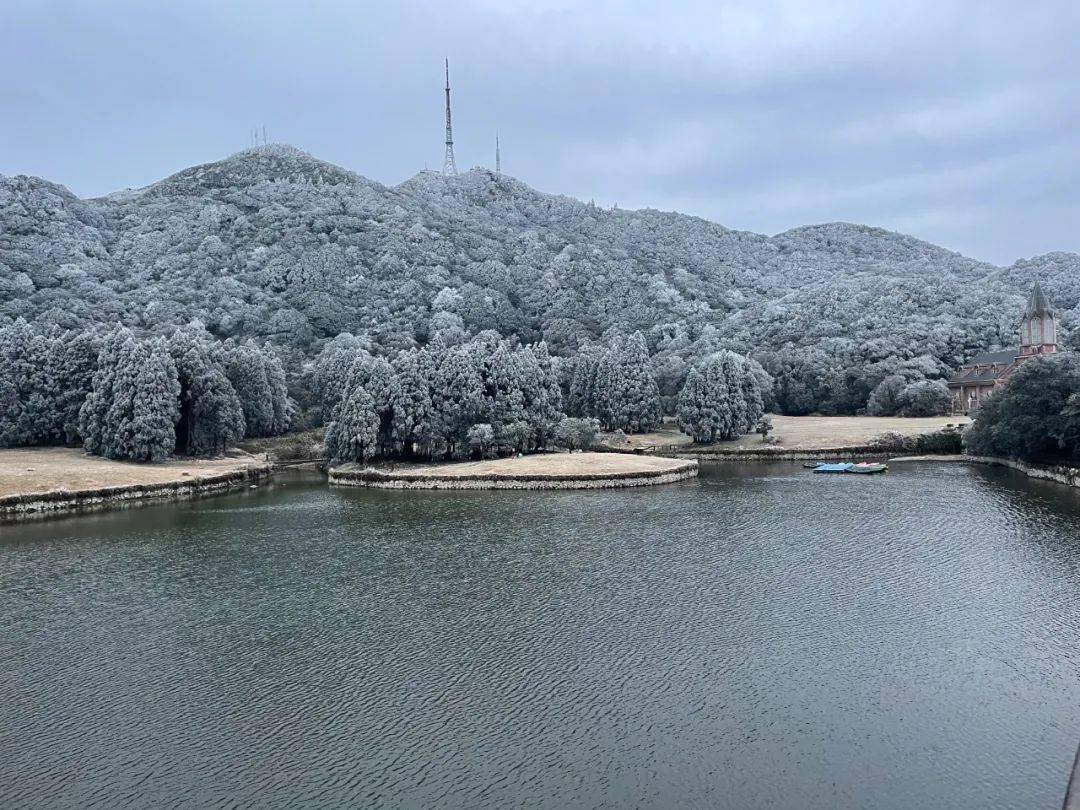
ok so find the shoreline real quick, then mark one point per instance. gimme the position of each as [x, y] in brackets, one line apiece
[1058, 473]
[548, 471]
[94, 489]
[778, 454]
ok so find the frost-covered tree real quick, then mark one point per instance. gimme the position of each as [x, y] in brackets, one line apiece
[274, 245]
[27, 412]
[150, 435]
[216, 416]
[720, 400]
[93, 413]
[133, 405]
[245, 367]
[885, 398]
[257, 376]
[577, 434]
[353, 435]
[74, 361]
[481, 439]
[414, 430]
[924, 398]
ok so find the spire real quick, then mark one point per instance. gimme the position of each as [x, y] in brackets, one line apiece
[498, 157]
[449, 164]
[1037, 303]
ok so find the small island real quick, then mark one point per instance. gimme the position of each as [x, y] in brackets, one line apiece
[541, 471]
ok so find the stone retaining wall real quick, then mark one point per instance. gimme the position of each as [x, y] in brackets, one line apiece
[778, 454]
[1061, 473]
[41, 503]
[379, 479]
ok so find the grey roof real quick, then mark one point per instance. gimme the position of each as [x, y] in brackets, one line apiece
[1037, 303]
[994, 366]
[992, 358]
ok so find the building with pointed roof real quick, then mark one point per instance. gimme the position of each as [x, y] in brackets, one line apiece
[985, 373]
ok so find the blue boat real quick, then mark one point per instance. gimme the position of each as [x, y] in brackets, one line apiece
[842, 467]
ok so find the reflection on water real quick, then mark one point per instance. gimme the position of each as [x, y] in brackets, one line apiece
[760, 637]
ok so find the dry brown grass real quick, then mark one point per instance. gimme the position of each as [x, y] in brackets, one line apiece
[546, 465]
[30, 471]
[808, 432]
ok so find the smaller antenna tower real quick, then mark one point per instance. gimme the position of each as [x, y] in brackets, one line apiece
[498, 156]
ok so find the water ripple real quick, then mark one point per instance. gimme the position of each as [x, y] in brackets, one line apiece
[758, 638]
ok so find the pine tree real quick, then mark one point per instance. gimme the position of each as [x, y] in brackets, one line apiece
[353, 435]
[627, 389]
[413, 430]
[217, 418]
[720, 400]
[246, 368]
[95, 408]
[151, 434]
[76, 360]
[283, 405]
[543, 395]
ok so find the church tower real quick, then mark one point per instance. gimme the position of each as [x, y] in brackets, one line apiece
[1038, 330]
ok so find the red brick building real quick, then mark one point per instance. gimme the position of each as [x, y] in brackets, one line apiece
[985, 373]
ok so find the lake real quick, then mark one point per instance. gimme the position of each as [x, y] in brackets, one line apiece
[758, 638]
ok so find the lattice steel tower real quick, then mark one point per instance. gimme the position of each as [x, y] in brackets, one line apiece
[498, 156]
[449, 165]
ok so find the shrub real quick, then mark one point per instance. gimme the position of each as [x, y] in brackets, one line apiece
[577, 434]
[947, 441]
[924, 398]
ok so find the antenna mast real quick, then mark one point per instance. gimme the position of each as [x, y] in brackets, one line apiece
[498, 156]
[449, 164]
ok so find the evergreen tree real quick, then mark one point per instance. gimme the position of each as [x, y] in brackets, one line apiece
[284, 407]
[413, 428]
[542, 392]
[217, 418]
[76, 356]
[457, 398]
[720, 400]
[151, 433]
[634, 398]
[95, 408]
[246, 368]
[579, 400]
[353, 435]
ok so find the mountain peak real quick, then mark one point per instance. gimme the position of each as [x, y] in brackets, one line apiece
[273, 163]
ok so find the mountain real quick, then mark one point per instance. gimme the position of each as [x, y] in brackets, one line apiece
[276, 244]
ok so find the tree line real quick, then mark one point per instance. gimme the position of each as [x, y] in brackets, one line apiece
[490, 396]
[275, 245]
[139, 398]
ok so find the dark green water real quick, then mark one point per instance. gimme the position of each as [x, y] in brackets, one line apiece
[761, 637]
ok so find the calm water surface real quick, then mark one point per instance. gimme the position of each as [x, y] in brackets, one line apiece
[758, 638]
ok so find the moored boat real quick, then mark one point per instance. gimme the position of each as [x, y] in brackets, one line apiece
[862, 468]
[868, 468]
[842, 467]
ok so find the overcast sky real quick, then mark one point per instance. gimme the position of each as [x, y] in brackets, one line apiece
[956, 122]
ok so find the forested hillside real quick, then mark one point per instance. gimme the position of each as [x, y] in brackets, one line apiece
[279, 246]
